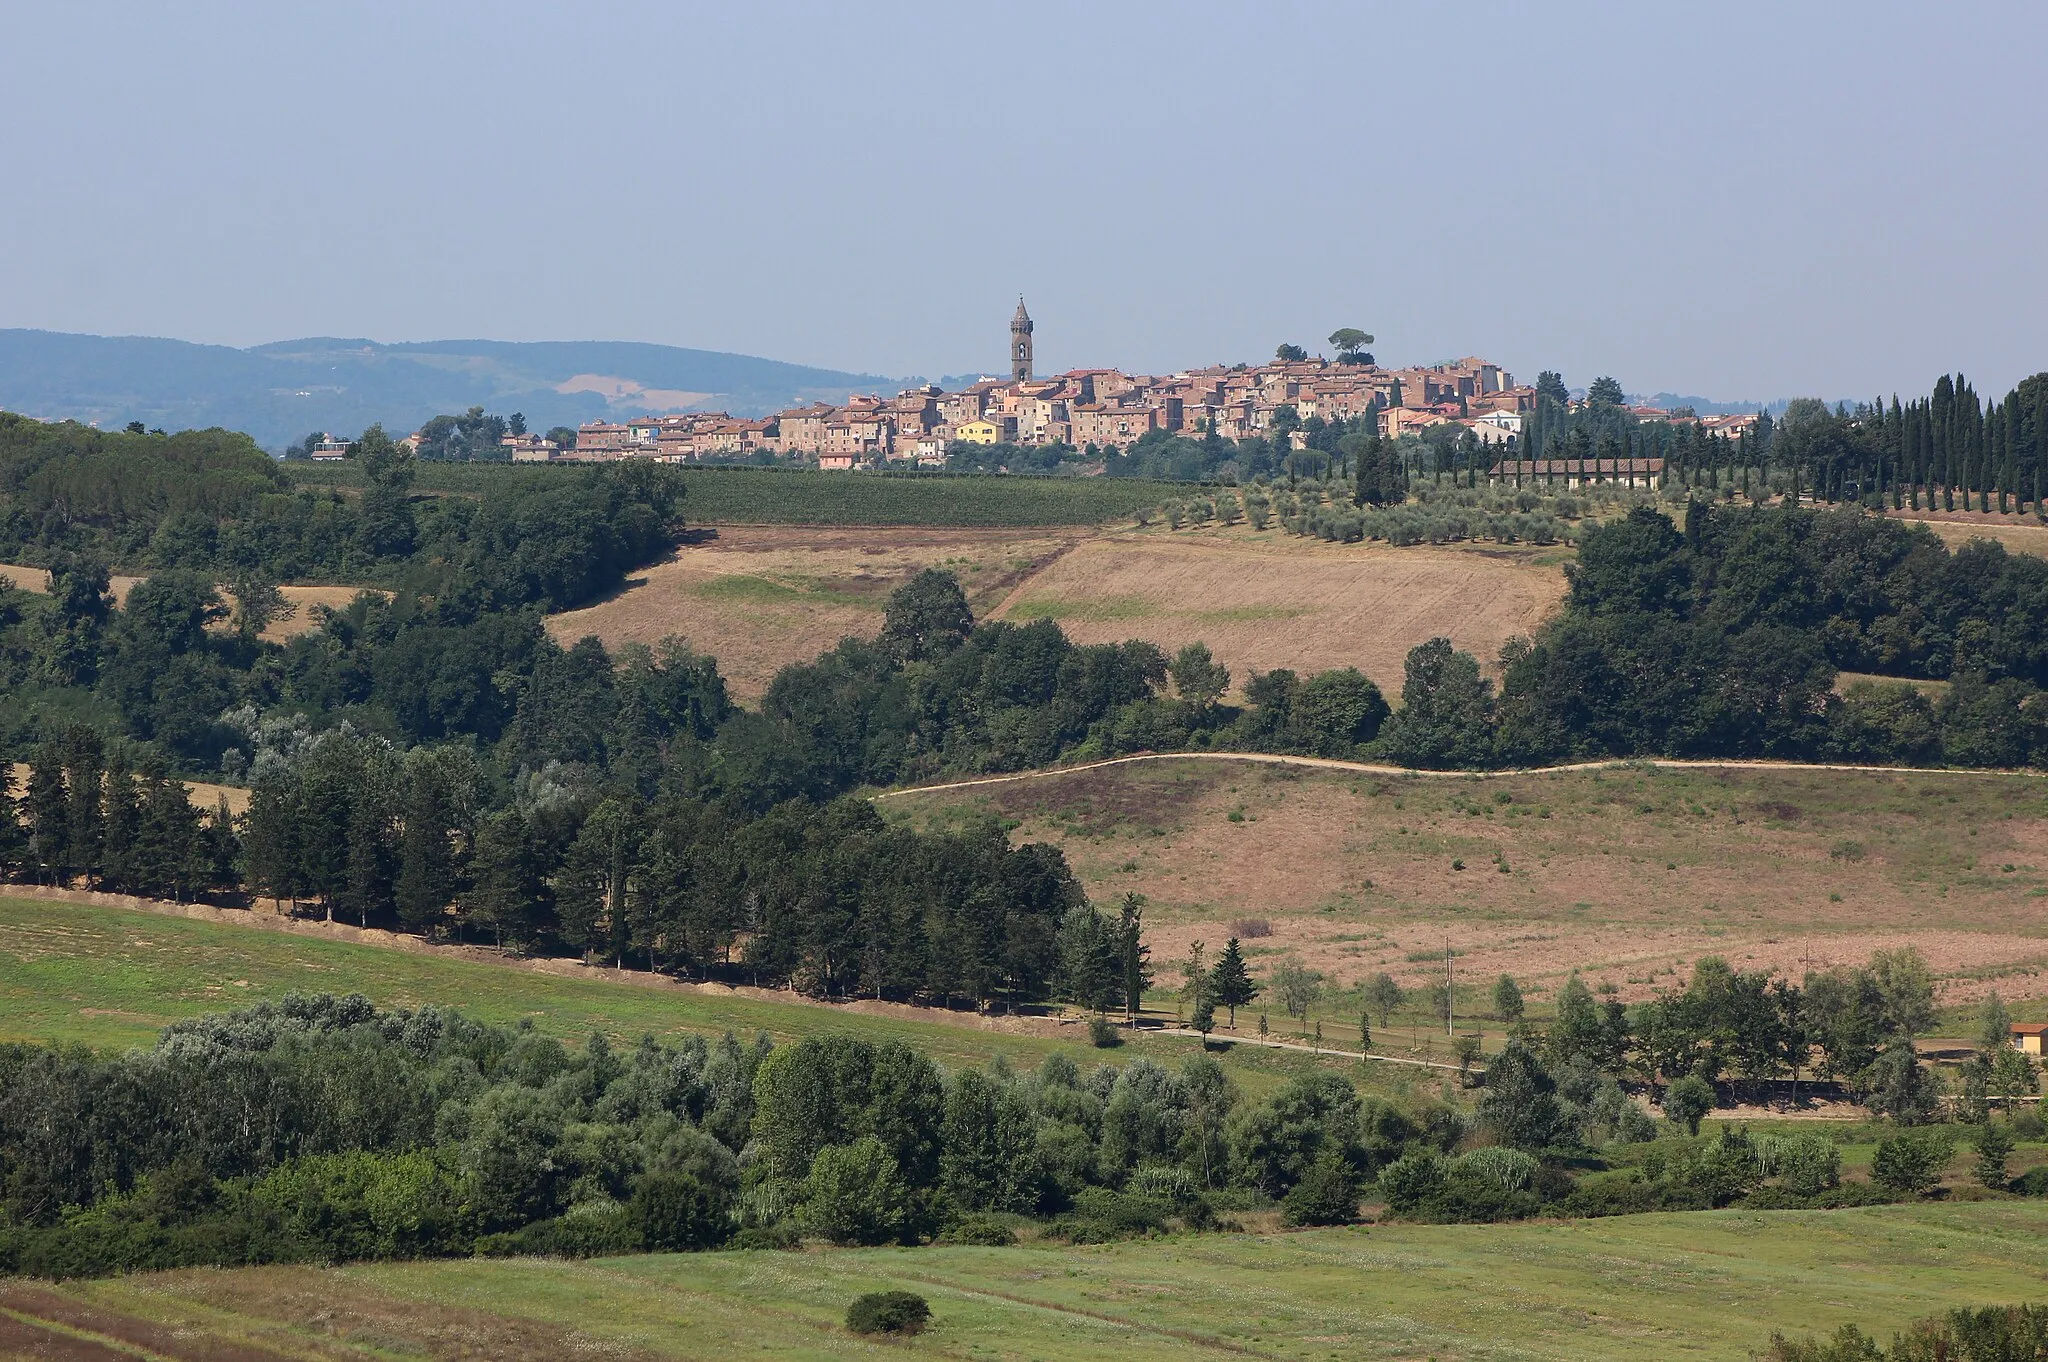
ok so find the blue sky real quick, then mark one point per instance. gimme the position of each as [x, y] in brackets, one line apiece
[1736, 200]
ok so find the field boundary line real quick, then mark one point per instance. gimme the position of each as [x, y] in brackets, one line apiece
[1376, 769]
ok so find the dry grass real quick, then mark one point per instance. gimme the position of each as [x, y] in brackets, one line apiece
[1628, 875]
[302, 599]
[759, 599]
[1262, 601]
[2019, 534]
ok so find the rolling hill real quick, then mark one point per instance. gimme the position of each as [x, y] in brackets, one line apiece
[280, 391]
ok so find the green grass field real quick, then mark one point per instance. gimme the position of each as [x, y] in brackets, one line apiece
[76, 974]
[1706, 1285]
[791, 496]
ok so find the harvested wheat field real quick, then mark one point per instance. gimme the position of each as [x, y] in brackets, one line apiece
[1628, 874]
[760, 598]
[1266, 601]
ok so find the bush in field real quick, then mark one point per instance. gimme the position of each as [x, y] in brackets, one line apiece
[888, 1312]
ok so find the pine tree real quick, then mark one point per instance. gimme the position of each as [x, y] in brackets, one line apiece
[1365, 1033]
[1231, 982]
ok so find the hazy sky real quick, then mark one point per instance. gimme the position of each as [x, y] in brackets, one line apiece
[1736, 200]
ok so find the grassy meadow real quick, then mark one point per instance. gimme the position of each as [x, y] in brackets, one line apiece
[1710, 1285]
[106, 977]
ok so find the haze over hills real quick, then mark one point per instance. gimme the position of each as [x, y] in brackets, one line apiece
[280, 391]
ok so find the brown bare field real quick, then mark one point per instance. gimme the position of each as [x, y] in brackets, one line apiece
[1266, 601]
[759, 599]
[1628, 874]
[302, 599]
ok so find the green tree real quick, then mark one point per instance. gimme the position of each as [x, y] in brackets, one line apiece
[926, 617]
[1133, 955]
[1231, 983]
[1088, 962]
[1349, 343]
[1382, 995]
[1289, 354]
[1447, 710]
[1605, 391]
[1550, 384]
[1198, 676]
[427, 876]
[1994, 1147]
[1507, 1000]
[856, 1195]
[1519, 1104]
[1296, 986]
[1994, 1025]
[1912, 1160]
[1687, 1102]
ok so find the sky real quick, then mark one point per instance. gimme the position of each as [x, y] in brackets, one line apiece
[1735, 200]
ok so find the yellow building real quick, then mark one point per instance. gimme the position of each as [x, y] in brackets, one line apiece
[977, 432]
[2026, 1037]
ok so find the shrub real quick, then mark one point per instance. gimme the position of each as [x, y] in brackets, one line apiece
[1912, 1161]
[857, 1194]
[676, 1212]
[1326, 1195]
[888, 1312]
[1102, 1034]
[2033, 1182]
[1412, 1179]
[1509, 1169]
[1805, 1165]
[1251, 928]
[983, 1231]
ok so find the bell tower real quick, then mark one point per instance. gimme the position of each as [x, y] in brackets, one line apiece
[1020, 344]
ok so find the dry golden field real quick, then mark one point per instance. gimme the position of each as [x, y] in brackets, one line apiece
[1627, 874]
[1262, 601]
[301, 599]
[760, 598]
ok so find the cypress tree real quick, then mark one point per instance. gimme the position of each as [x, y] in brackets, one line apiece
[426, 855]
[45, 813]
[83, 774]
[121, 827]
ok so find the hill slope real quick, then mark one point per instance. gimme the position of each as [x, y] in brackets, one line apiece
[280, 391]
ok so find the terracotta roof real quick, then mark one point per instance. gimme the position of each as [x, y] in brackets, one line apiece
[2030, 1028]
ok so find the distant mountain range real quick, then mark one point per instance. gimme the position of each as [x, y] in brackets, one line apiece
[281, 391]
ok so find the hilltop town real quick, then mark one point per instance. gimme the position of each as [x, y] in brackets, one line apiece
[1085, 409]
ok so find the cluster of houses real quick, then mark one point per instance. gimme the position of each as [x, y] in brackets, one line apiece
[1088, 409]
[1103, 408]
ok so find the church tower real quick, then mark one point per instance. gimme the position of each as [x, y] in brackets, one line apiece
[1020, 344]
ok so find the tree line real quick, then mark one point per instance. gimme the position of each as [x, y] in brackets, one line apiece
[1724, 637]
[323, 1128]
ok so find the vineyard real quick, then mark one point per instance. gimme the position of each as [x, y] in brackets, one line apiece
[788, 496]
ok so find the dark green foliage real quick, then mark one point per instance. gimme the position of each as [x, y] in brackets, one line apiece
[1520, 1106]
[1446, 714]
[1687, 1101]
[1230, 982]
[888, 1312]
[1326, 1195]
[1912, 1161]
[2010, 1333]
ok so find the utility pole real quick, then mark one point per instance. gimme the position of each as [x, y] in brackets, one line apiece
[1450, 984]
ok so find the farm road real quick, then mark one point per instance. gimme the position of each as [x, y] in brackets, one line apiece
[1374, 769]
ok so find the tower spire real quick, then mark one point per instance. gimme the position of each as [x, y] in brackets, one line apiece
[1020, 344]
